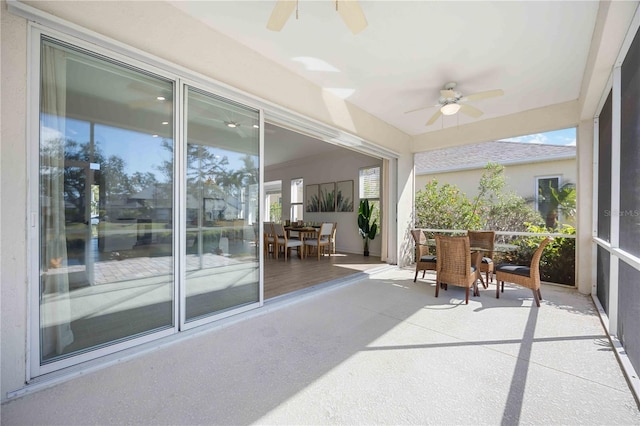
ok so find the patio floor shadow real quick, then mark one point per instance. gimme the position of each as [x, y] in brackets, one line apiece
[378, 350]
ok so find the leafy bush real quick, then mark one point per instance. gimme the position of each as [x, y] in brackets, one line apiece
[444, 207]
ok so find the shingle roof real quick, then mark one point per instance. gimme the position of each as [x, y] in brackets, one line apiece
[478, 155]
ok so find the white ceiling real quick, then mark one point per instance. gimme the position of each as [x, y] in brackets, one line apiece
[535, 51]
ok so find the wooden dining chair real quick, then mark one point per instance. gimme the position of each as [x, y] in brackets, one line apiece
[269, 239]
[322, 239]
[454, 265]
[284, 244]
[525, 276]
[424, 261]
[332, 238]
[486, 241]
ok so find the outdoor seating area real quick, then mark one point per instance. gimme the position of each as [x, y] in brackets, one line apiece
[461, 260]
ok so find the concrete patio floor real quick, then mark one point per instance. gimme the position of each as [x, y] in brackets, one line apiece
[376, 350]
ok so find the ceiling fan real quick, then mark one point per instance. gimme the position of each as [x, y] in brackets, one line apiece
[349, 10]
[452, 102]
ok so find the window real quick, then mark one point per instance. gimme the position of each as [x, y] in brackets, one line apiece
[273, 201]
[297, 199]
[369, 187]
[546, 192]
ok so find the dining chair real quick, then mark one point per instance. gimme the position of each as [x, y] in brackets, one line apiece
[525, 276]
[332, 238]
[486, 241]
[269, 239]
[424, 261]
[454, 265]
[283, 243]
[322, 239]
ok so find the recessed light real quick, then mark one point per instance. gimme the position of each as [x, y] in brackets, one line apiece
[161, 98]
[155, 136]
[231, 124]
[255, 126]
[165, 122]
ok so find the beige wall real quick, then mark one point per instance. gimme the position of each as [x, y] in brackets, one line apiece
[520, 178]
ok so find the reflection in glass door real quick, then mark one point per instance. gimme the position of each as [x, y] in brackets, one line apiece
[222, 224]
[105, 201]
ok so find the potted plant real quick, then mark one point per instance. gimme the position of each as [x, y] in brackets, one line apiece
[367, 228]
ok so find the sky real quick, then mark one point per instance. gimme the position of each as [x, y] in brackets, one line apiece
[557, 137]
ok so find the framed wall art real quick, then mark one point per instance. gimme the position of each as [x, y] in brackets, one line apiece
[311, 198]
[344, 196]
[327, 197]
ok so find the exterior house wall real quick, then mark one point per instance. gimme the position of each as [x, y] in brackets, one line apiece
[334, 166]
[520, 178]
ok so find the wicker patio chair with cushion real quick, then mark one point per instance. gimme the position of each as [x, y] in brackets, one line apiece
[322, 240]
[454, 264]
[283, 243]
[486, 241]
[525, 276]
[424, 261]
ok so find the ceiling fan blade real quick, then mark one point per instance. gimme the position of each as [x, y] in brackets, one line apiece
[352, 15]
[421, 108]
[484, 95]
[434, 117]
[470, 111]
[280, 14]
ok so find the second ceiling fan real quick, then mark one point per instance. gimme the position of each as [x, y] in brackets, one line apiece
[349, 10]
[451, 102]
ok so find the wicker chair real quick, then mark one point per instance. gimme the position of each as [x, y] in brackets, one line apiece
[454, 264]
[424, 261]
[485, 240]
[525, 276]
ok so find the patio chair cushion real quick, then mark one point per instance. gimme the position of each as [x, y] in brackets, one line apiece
[525, 271]
[487, 260]
[428, 258]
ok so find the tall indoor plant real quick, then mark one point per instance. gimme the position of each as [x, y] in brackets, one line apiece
[367, 228]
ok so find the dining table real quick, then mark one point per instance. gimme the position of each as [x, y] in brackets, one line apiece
[303, 231]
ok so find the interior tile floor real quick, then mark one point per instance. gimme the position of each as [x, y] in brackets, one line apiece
[378, 349]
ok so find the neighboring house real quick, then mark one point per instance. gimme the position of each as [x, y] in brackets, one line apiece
[528, 166]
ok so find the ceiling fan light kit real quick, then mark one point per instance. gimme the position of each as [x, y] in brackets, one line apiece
[450, 109]
[451, 102]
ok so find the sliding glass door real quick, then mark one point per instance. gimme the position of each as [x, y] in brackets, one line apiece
[115, 191]
[221, 175]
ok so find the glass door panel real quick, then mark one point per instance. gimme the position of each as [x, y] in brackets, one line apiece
[106, 202]
[222, 224]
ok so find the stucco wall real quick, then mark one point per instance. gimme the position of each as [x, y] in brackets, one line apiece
[13, 190]
[520, 178]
